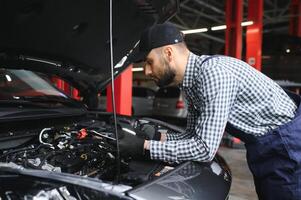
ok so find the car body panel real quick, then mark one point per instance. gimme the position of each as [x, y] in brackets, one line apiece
[190, 180]
[71, 38]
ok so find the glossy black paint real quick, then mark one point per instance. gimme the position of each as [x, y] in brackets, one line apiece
[72, 38]
[190, 180]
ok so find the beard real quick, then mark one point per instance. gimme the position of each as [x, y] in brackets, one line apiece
[167, 76]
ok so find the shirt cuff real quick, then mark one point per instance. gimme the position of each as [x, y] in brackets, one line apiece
[166, 151]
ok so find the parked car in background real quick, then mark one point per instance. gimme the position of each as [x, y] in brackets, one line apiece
[170, 102]
[142, 101]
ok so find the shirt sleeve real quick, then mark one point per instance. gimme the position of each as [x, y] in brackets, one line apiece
[217, 89]
[171, 135]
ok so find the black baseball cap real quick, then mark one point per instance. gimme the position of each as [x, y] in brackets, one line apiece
[157, 36]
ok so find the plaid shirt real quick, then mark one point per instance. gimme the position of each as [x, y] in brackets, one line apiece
[219, 90]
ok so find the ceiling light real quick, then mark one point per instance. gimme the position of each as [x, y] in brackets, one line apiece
[190, 31]
[137, 69]
[222, 27]
[247, 23]
[215, 28]
[8, 78]
[288, 50]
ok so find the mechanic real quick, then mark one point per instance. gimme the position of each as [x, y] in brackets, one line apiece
[224, 94]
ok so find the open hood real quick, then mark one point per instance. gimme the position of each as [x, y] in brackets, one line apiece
[70, 38]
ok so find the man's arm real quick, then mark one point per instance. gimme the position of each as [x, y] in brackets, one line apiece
[218, 90]
[171, 135]
[189, 128]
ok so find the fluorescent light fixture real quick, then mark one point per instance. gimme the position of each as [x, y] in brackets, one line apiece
[222, 27]
[216, 28]
[190, 31]
[137, 69]
[247, 23]
[8, 78]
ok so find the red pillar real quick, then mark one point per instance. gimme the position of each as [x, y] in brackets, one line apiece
[58, 82]
[67, 88]
[254, 33]
[234, 11]
[75, 94]
[62, 85]
[123, 93]
[295, 20]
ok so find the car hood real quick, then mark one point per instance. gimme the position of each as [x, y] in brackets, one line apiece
[71, 39]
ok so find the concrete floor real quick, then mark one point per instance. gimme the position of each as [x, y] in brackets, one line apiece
[242, 187]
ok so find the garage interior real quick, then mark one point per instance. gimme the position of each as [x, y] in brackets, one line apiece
[264, 33]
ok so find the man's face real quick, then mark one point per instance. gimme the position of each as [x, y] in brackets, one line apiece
[159, 69]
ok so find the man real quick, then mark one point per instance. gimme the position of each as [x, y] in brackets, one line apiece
[224, 93]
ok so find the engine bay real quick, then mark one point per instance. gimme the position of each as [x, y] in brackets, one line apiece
[76, 158]
[84, 148]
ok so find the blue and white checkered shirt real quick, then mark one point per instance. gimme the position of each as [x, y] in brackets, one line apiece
[223, 89]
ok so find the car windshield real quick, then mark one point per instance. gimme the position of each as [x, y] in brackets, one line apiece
[15, 84]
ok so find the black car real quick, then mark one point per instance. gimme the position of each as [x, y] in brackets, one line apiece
[54, 147]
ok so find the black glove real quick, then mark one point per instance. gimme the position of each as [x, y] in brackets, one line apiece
[148, 132]
[130, 145]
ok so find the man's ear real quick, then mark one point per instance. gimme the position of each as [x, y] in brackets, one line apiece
[168, 52]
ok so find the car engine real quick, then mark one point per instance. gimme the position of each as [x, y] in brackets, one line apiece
[73, 149]
[85, 148]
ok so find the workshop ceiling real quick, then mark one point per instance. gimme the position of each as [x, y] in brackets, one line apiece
[207, 13]
[281, 52]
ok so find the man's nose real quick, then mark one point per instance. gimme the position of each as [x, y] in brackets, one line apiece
[147, 70]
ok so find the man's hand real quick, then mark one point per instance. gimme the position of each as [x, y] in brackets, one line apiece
[149, 132]
[135, 146]
[130, 145]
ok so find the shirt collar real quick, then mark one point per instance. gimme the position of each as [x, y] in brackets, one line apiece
[189, 71]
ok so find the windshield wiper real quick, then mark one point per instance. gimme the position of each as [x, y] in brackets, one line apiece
[52, 99]
[21, 103]
[40, 101]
